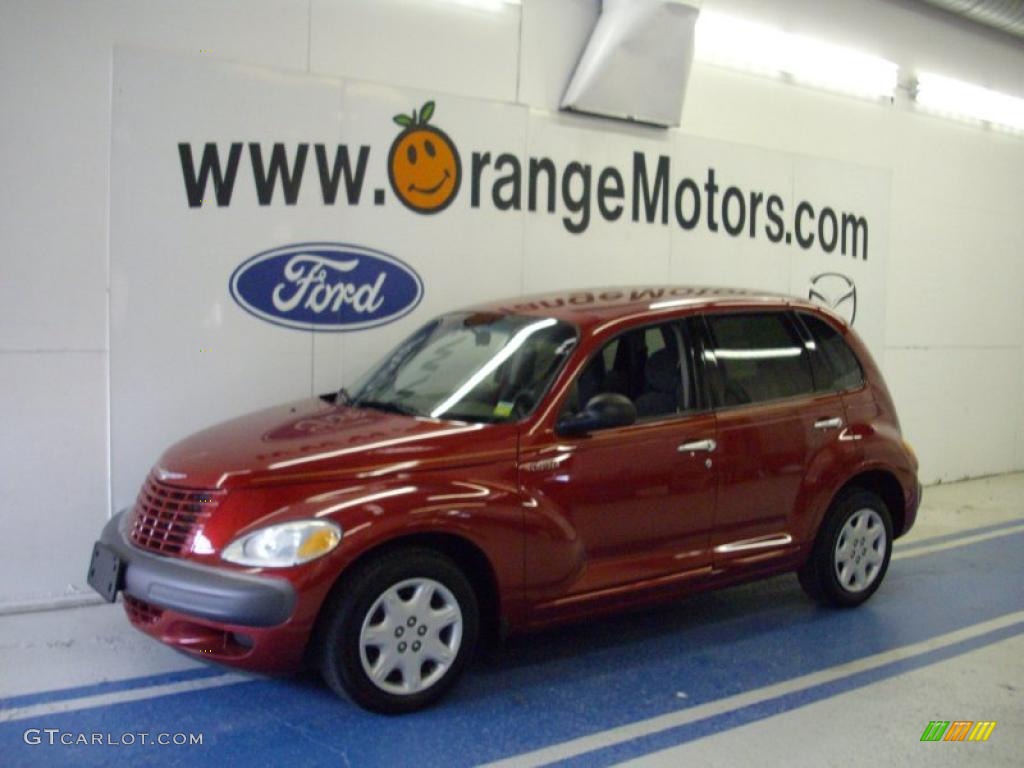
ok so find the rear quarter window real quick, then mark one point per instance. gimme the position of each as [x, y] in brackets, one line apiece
[838, 367]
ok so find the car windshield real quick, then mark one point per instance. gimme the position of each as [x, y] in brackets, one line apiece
[480, 366]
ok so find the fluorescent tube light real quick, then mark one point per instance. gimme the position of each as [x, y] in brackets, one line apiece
[494, 6]
[955, 98]
[737, 44]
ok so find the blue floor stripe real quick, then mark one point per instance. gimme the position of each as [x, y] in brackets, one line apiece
[964, 534]
[568, 683]
[109, 686]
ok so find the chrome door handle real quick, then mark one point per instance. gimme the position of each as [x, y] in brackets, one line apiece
[834, 423]
[698, 445]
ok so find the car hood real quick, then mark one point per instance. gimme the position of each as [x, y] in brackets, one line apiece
[314, 440]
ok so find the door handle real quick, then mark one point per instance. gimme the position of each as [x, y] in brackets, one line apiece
[698, 445]
[834, 423]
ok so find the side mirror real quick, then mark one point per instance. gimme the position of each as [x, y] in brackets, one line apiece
[602, 411]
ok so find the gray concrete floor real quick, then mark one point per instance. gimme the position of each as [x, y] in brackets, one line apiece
[881, 724]
[878, 724]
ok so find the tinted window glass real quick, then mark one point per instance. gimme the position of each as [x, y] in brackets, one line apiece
[642, 364]
[841, 368]
[469, 366]
[759, 357]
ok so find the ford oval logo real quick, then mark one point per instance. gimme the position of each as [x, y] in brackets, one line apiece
[326, 287]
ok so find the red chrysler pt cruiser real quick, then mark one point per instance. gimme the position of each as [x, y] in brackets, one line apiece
[514, 465]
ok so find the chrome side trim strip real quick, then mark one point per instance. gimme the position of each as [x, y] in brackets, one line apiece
[761, 542]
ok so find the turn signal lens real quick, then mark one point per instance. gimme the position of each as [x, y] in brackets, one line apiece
[284, 545]
[318, 543]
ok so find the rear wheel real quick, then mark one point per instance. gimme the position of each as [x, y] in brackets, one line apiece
[398, 635]
[852, 551]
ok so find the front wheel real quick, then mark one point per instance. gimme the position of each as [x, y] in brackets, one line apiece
[399, 634]
[851, 553]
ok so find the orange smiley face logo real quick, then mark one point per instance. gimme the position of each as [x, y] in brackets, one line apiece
[423, 164]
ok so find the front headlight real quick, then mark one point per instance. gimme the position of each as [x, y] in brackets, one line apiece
[285, 544]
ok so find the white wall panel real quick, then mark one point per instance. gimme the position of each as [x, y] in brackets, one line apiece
[955, 280]
[272, 33]
[748, 109]
[182, 353]
[939, 163]
[958, 408]
[54, 149]
[56, 63]
[1020, 417]
[434, 45]
[53, 488]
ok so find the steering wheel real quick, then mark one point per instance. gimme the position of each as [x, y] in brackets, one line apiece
[523, 403]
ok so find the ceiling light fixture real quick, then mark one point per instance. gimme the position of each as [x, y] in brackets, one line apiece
[955, 98]
[765, 50]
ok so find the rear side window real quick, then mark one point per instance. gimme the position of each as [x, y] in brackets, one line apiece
[839, 367]
[760, 358]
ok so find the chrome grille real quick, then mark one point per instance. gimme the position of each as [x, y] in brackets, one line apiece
[166, 518]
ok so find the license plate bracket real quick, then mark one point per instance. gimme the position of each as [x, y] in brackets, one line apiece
[106, 572]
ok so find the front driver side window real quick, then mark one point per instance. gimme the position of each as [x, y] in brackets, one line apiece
[645, 365]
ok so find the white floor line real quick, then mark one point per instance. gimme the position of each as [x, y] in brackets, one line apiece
[966, 541]
[624, 733]
[119, 697]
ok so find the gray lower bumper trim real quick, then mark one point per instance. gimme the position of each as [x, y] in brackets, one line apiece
[200, 590]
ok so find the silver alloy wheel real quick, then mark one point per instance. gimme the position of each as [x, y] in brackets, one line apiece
[860, 550]
[410, 636]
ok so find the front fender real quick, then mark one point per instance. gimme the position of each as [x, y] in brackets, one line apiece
[484, 510]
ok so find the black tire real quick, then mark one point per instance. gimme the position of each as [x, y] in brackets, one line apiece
[820, 576]
[344, 614]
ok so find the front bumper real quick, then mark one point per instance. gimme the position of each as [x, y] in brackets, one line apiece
[202, 591]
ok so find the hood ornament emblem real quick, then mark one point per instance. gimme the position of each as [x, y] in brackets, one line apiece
[166, 474]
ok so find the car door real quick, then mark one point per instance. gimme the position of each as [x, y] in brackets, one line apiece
[625, 504]
[774, 433]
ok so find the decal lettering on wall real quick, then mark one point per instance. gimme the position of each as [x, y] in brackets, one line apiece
[424, 169]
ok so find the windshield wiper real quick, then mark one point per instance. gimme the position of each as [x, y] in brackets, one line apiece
[342, 397]
[389, 407]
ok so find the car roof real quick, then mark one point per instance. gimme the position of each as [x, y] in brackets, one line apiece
[593, 308]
